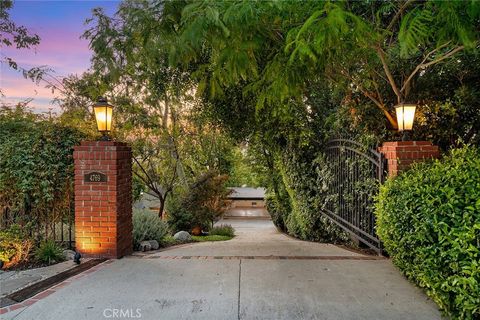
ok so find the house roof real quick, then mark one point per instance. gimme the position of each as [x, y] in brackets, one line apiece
[247, 193]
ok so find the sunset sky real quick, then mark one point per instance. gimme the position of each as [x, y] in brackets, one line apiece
[59, 25]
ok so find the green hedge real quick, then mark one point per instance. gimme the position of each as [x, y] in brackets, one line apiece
[299, 195]
[429, 221]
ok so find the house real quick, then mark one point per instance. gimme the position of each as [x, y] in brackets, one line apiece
[247, 197]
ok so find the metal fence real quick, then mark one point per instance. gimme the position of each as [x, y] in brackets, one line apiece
[61, 229]
[64, 233]
[356, 173]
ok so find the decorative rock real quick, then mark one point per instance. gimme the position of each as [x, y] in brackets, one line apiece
[182, 236]
[154, 244]
[145, 246]
[69, 254]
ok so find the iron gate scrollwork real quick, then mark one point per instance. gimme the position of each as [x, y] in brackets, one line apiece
[356, 173]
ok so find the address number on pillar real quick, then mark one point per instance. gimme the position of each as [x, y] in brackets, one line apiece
[95, 177]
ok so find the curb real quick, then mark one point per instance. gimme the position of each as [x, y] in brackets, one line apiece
[48, 291]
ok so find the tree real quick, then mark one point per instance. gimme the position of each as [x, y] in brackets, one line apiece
[279, 49]
[13, 35]
[130, 65]
[395, 43]
[156, 168]
[154, 100]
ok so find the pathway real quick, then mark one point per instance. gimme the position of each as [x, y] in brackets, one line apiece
[260, 274]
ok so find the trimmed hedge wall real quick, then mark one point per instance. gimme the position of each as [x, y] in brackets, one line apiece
[429, 221]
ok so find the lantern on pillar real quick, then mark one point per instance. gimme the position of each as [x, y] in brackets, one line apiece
[103, 115]
[405, 118]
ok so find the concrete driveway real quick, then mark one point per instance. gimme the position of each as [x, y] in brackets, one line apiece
[260, 274]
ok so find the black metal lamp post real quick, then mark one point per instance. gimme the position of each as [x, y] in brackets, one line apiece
[405, 118]
[103, 115]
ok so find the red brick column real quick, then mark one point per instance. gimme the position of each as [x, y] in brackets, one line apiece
[103, 199]
[401, 154]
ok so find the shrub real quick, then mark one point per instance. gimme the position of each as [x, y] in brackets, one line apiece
[178, 217]
[49, 252]
[15, 246]
[201, 205]
[429, 221]
[223, 230]
[147, 226]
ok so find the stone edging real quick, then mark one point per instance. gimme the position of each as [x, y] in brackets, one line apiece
[370, 258]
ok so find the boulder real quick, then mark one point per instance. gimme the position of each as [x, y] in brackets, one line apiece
[145, 246]
[154, 244]
[69, 254]
[182, 236]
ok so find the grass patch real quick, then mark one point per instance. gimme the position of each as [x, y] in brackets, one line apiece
[168, 241]
[211, 238]
[222, 230]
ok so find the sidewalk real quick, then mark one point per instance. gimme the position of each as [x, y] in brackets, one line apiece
[12, 281]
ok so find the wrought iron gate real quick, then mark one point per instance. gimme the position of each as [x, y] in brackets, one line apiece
[356, 173]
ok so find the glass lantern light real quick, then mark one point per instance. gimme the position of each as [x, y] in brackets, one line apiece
[103, 115]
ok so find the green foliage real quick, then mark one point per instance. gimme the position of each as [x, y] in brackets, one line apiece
[168, 241]
[450, 115]
[201, 205]
[429, 221]
[303, 180]
[36, 167]
[17, 36]
[178, 217]
[148, 226]
[49, 252]
[138, 187]
[245, 169]
[12, 34]
[211, 238]
[378, 49]
[222, 230]
[263, 58]
[15, 246]
[278, 206]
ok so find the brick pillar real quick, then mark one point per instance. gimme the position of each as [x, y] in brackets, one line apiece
[103, 199]
[401, 154]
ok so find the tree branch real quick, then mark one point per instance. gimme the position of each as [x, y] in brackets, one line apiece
[377, 102]
[149, 184]
[390, 118]
[144, 171]
[424, 65]
[398, 14]
[381, 55]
